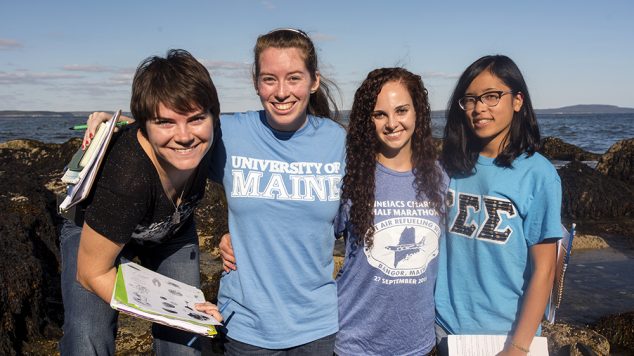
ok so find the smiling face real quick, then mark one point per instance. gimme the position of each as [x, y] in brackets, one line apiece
[284, 86]
[394, 120]
[178, 141]
[491, 124]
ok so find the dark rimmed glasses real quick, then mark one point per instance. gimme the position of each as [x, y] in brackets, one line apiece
[490, 99]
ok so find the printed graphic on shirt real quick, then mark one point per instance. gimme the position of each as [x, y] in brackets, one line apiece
[403, 247]
[272, 179]
[403, 208]
[158, 230]
[483, 217]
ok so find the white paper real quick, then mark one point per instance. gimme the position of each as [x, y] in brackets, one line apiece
[489, 345]
[153, 296]
[86, 177]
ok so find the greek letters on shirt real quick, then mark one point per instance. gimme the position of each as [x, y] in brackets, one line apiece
[272, 179]
[493, 227]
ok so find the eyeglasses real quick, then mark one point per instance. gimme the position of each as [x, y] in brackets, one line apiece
[490, 99]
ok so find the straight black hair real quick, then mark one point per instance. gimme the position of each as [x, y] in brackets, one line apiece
[461, 147]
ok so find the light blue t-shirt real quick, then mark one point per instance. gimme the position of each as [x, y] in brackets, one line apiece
[495, 216]
[283, 191]
[386, 293]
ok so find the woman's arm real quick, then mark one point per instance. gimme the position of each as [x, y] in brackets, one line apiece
[543, 258]
[95, 262]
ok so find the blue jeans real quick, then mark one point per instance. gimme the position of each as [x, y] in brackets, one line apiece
[90, 325]
[441, 340]
[320, 347]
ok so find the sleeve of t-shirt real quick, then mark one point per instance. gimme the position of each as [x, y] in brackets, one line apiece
[543, 220]
[120, 202]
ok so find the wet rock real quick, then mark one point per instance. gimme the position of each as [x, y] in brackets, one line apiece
[587, 241]
[619, 331]
[556, 149]
[210, 272]
[211, 216]
[588, 194]
[31, 310]
[134, 336]
[564, 339]
[30, 298]
[618, 161]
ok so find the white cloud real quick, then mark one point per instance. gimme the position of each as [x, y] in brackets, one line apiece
[238, 72]
[86, 68]
[26, 77]
[6, 44]
[121, 79]
[440, 75]
[322, 37]
[268, 5]
[225, 65]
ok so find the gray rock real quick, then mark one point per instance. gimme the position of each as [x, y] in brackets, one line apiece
[556, 149]
[619, 331]
[564, 339]
[587, 194]
[618, 161]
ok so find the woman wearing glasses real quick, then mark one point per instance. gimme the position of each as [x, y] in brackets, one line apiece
[497, 262]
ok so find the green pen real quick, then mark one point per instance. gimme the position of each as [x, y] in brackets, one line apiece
[83, 127]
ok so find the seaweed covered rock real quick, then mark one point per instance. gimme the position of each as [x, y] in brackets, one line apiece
[211, 216]
[564, 339]
[30, 298]
[618, 161]
[556, 149]
[619, 330]
[588, 194]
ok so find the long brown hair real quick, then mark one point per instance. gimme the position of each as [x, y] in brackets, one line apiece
[321, 102]
[362, 146]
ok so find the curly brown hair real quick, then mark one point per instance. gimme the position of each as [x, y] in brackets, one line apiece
[362, 146]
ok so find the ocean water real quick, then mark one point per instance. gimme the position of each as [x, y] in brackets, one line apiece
[591, 132]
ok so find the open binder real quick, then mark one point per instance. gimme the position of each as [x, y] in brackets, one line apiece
[148, 295]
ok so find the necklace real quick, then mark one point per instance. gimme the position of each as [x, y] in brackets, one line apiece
[176, 217]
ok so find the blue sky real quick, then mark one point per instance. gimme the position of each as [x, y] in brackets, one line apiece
[81, 55]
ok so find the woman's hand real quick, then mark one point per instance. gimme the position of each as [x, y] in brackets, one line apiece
[94, 120]
[209, 309]
[511, 351]
[226, 253]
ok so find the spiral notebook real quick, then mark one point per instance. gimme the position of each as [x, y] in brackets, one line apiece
[564, 249]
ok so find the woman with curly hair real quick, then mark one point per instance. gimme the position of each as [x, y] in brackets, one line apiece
[391, 217]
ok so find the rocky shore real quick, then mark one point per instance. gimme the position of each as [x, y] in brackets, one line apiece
[600, 201]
